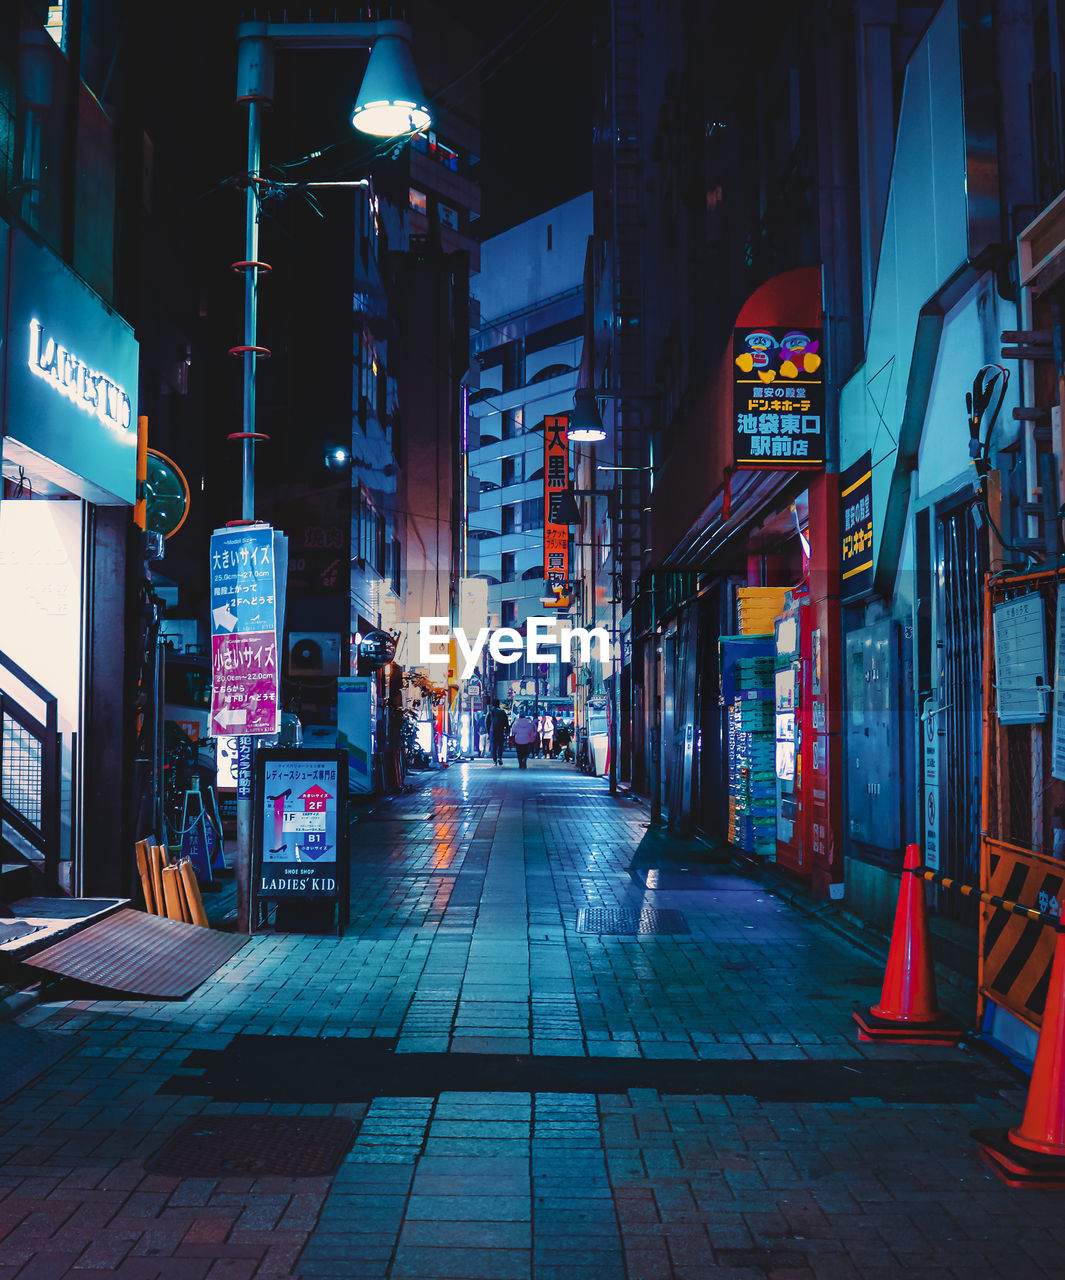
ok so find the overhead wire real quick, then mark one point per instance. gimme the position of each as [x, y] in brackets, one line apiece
[487, 57]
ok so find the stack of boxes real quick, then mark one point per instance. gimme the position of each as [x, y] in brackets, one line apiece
[759, 608]
[751, 748]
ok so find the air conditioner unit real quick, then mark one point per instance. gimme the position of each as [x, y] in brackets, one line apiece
[314, 653]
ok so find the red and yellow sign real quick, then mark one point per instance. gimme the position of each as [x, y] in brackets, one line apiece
[556, 482]
[778, 398]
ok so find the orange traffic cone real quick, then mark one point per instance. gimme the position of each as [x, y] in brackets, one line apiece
[1033, 1153]
[907, 1012]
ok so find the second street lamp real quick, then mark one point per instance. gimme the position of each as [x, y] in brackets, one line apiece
[390, 103]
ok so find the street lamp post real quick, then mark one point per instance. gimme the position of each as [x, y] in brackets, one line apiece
[586, 424]
[569, 513]
[390, 104]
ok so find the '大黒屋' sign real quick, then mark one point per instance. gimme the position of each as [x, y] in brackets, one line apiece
[556, 482]
[856, 525]
[778, 398]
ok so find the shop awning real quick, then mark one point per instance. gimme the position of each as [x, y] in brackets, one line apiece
[711, 543]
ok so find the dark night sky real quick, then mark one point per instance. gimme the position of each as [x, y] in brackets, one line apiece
[535, 102]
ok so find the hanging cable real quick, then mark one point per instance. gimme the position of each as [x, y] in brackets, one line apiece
[983, 405]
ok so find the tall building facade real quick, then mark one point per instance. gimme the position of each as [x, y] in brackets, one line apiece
[102, 289]
[817, 249]
[528, 330]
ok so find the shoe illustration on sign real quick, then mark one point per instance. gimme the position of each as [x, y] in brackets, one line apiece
[279, 819]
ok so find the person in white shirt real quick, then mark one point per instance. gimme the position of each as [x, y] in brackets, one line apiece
[547, 736]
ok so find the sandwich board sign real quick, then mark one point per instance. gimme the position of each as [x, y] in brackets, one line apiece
[300, 851]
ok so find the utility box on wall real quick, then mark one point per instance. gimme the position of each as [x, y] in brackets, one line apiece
[872, 737]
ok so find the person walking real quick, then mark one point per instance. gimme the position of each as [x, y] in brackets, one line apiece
[547, 736]
[498, 726]
[524, 736]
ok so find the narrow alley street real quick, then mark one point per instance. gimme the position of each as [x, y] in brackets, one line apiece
[550, 1046]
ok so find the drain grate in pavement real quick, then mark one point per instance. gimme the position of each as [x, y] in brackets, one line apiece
[254, 1146]
[628, 920]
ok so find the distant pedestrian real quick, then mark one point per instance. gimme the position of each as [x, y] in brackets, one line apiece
[547, 736]
[563, 741]
[524, 736]
[498, 726]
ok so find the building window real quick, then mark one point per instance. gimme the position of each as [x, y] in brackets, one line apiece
[508, 612]
[511, 423]
[508, 566]
[509, 519]
[532, 513]
[509, 470]
[513, 364]
[550, 371]
[395, 563]
[53, 24]
[418, 201]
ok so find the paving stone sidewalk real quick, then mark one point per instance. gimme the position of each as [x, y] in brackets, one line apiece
[532, 1102]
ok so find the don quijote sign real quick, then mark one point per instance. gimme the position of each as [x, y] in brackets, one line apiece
[778, 398]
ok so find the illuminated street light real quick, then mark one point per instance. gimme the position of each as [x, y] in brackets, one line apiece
[586, 423]
[390, 100]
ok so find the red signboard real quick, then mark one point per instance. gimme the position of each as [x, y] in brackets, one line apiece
[244, 616]
[244, 683]
[556, 481]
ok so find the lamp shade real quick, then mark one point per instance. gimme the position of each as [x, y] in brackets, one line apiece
[565, 509]
[585, 424]
[390, 100]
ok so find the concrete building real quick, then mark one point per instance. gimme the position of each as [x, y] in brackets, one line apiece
[861, 224]
[526, 346]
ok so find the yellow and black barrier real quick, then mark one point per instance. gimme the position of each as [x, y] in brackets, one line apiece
[971, 891]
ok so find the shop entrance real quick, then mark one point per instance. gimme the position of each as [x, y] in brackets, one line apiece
[41, 585]
[958, 562]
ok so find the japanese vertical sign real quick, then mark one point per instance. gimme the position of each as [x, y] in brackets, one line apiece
[244, 616]
[856, 525]
[556, 481]
[778, 398]
[930, 778]
[1057, 753]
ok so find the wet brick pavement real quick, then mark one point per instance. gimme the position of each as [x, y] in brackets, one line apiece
[463, 954]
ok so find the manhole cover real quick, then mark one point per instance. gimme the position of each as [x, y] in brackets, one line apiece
[254, 1146]
[626, 920]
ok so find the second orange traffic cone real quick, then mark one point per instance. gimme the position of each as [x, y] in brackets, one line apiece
[907, 1012]
[1033, 1153]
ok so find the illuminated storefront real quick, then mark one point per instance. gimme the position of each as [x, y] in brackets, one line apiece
[69, 464]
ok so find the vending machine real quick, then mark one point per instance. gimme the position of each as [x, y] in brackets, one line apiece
[792, 690]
